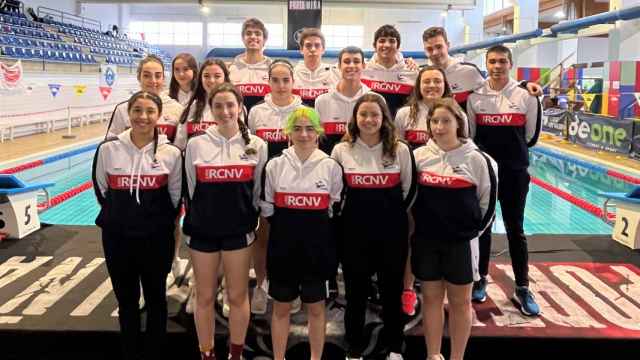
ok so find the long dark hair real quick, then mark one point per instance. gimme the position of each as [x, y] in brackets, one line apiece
[228, 87]
[174, 87]
[200, 94]
[387, 129]
[416, 96]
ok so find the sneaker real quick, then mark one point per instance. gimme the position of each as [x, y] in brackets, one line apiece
[409, 302]
[295, 306]
[353, 358]
[205, 356]
[259, 301]
[435, 357]
[394, 356]
[528, 305]
[479, 292]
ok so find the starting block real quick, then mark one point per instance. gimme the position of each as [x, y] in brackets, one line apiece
[626, 229]
[19, 206]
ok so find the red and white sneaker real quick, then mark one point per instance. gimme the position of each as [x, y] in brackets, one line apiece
[409, 302]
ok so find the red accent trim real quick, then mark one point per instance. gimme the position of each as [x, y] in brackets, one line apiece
[512, 119]
[167, 129]
[461, 97]
[416, 136]
[388, 87]
[144, 182]
[372, 181]
[22, 167]
[310, 94]
[272, 135]
[428, 178]
[254, 89]
[302, 201]
[225, 173]
[334, 128]
[194, 128]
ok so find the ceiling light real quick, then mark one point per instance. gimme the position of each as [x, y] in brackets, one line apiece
[559, 15]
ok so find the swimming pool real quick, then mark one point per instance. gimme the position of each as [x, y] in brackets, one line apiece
[545, 213]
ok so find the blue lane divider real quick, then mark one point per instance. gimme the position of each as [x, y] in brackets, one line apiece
[68, 154]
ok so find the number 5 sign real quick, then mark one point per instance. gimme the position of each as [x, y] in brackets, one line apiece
[19, 206]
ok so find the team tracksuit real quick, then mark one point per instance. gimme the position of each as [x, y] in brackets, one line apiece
[298, 201]
[309, 84]
[139, 195]
[251, 79]
[413, 132]
[184, 97]
[223, 178]
[455, 202]
[167, 124]
[193, 126]
[267, 121]
[378, 194]
[394, 84]
[463, 79]
[505, 124]
[335, 112]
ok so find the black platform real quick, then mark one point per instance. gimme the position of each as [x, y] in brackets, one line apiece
[62, 308]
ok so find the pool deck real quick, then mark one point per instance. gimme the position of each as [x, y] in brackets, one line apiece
[29, 145]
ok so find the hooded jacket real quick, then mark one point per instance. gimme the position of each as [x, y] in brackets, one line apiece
[223, 183]
[267, 121]
[457, 192]
[394, 84]
[309, 84]
[463, 79]
[505, 123]
[167, 124]
[335, 111]
[417, 134]
[192, 126]
[298, 199]
[251, 79]
[138, 189]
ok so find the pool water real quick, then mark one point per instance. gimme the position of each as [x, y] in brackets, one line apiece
[545, 213]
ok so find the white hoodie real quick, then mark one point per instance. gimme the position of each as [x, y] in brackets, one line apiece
[267, 121]
[309, 84]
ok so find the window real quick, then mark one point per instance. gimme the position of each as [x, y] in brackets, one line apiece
[491, 6]
[340, 36]
[167, 33]
[228, 35]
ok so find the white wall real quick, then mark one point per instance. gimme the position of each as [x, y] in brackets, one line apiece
[69, 6]
[107, 14]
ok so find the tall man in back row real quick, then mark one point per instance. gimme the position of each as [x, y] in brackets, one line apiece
[504, 121]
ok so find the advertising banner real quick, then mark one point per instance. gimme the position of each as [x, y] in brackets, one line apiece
[301, 14]
[600, 132]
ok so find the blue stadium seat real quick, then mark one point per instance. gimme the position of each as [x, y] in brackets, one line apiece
[37, 53]
[20, 53]
[75, 57]
[28, 53]
[9, 51]
[48, 55]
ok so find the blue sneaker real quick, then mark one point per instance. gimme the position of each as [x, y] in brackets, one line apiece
[528, 305]
[479, 292]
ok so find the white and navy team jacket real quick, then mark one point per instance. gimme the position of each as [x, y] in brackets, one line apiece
[299, 199]
[463, 79]
[183, 96]
[394, 84]
[309, 84]
[415, 134]
[505, 123]
[372, 179]
[457, 192]
[223, 184]
[167, 123]
[335, 112]
[267, 121]
[251, 79]
[192, 126]
[138, 189]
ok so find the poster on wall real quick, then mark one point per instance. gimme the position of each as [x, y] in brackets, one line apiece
[301, 14]
[600, 132]
[108, 75]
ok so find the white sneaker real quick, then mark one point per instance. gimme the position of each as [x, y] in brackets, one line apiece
[350, 358]
[141, 299]
[436, 357]
[259, 301]
[394, 356]
[296, 305]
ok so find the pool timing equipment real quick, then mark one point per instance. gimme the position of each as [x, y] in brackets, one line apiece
[19, 206]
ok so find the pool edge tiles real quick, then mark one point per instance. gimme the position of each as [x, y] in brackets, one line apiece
[47, 153]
